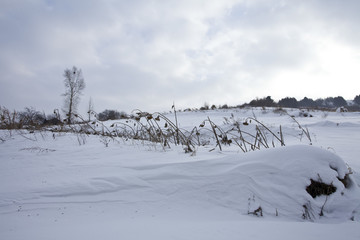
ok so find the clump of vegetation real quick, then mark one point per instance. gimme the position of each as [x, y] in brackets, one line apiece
[30, 119]
[318, 188]
[308, 212]
[257, 212]
[8, 119]
[112, 115]
[248, 134]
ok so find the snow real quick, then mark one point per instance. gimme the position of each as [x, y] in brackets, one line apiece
[57, 187]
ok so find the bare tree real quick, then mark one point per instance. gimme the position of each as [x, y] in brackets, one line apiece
[31, 117]
[74, 84]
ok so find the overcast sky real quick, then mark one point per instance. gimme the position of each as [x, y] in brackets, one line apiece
[147, 54]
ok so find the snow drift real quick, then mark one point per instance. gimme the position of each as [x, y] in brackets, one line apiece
[272, 182]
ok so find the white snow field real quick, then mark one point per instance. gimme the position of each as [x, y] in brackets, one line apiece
[55, 186]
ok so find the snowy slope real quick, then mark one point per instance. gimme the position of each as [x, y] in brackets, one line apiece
[54, 188]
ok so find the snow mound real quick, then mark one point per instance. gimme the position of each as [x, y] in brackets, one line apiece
[279, 181]
[272, 182]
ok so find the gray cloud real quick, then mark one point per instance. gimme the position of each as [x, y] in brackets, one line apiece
[142, 54]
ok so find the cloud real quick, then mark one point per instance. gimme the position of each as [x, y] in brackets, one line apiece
[147, 54]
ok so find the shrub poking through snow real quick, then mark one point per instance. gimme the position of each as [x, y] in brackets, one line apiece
[318, 188]
[308, 212]
[257, 212]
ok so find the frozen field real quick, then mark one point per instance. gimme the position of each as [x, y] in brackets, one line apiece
[62, 187]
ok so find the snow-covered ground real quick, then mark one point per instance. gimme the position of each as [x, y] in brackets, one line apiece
[63, 186]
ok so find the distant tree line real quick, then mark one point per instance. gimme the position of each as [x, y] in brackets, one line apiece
[291, 102]
[329, 103]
